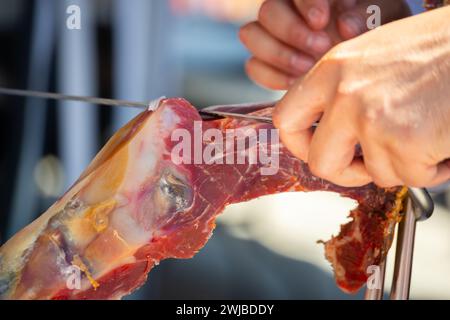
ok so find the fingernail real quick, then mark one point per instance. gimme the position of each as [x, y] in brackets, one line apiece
[354, 24]
[301, 63]
[314, 15]
[319, 42]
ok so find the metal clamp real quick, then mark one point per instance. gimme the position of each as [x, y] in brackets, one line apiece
[419, 207]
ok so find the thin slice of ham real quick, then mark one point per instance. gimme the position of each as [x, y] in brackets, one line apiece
[135, 206]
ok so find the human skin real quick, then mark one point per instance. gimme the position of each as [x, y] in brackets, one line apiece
[290, 36]
[386, 90]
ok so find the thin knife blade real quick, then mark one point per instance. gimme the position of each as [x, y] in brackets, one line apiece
[60, 96]
[124, 103]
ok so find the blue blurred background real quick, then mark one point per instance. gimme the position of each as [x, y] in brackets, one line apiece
[140, 50]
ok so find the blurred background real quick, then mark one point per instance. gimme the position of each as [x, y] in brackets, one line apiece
[140, 50]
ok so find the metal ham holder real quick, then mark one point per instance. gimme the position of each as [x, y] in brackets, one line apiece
[419, 207]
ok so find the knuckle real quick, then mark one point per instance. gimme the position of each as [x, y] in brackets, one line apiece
[280, 118]
[409, 130]
[281, 121]
[282, 56]
[382, 120]
[295, 34]
[369, 119]
[277, 119]
[319, 169]
[338, 52]
[373, 117]
[338, 59]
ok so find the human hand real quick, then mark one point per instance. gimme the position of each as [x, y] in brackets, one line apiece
[291, 35]
[387, 90]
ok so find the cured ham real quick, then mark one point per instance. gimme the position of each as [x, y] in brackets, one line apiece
[134, 206]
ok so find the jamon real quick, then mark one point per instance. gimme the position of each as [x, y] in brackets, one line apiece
[135, 206]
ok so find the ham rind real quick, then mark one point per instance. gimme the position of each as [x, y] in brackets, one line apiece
[135, 206]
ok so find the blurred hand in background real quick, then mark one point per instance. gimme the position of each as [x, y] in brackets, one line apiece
[290, 36]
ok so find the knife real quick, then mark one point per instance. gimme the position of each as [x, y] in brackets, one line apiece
[205, 114]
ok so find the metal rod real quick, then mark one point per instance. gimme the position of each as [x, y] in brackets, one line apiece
[404, 255]
[377, 293]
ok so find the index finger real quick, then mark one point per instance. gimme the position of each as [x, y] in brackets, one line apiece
[332, 151]
[302, 106]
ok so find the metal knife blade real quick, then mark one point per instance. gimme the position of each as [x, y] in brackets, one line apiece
[207, 114]
[60, 96]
